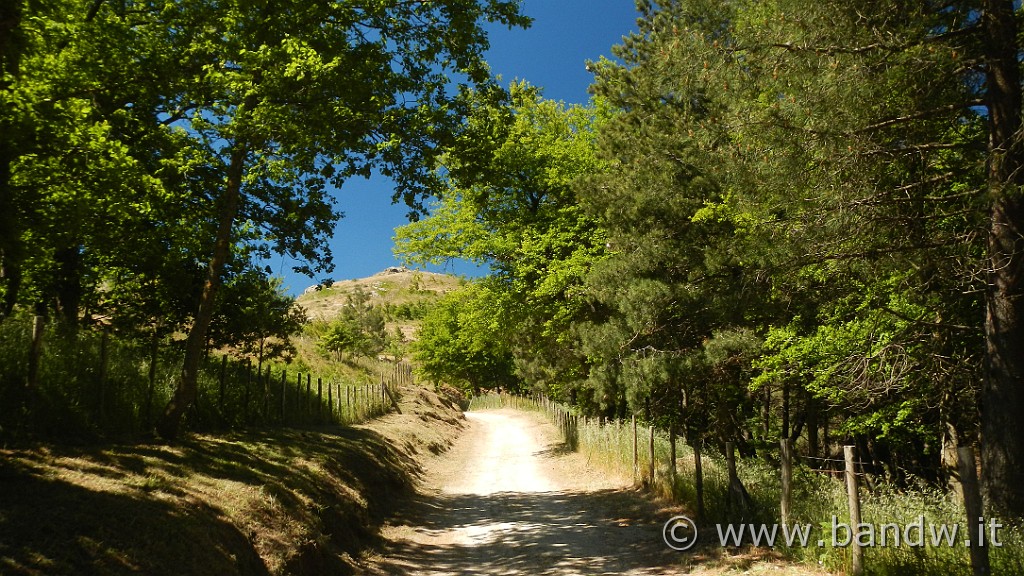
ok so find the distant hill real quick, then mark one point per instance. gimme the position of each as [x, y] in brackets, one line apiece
[391, 289]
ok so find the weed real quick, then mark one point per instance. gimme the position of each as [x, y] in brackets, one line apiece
[817, 497]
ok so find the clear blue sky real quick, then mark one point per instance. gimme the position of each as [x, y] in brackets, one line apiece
[550, 54]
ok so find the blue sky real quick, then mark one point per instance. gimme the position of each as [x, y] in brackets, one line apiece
[550, 54]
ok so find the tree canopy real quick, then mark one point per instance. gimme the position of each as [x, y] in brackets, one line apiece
[509, 203]
[794, 217]
[209, 133]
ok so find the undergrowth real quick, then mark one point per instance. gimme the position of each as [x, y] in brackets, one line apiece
[90, 385]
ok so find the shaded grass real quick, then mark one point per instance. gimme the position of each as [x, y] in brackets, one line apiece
[817, 497]
[79, 398]
[287, 501]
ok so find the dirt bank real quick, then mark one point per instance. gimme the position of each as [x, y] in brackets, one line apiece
[296, 501]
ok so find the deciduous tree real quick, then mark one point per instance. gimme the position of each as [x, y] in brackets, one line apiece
[290, 97]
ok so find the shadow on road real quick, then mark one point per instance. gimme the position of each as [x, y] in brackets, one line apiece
[551, 533]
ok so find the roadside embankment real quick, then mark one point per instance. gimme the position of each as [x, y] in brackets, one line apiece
[285, 501]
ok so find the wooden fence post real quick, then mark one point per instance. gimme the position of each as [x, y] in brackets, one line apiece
[972, 506]
[356, 403]
[636, 454]
[298, 392]
[284, 392]
[309, 397]
[104, 361]
[154, 353]
[35, 352]
[266, 395]
[330, 402]
[786, 458]
[650, 446]
[698, 478]
[319, 399]
[248, 385]
[223, 377]
[672, 457]
[853, 496]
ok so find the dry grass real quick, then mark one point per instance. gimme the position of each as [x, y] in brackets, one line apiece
[295, 501]
[387, 287]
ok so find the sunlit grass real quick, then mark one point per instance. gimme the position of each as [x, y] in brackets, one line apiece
[817, 497]
[248, 502]
[80, 397]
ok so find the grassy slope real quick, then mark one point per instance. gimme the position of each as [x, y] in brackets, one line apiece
[269, 502]
[392, 287]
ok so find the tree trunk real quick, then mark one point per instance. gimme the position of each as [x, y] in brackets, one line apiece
[812, 426]
[68, 286]
[10, 243]
[785, 410]
[1003, 389]
[185, 394]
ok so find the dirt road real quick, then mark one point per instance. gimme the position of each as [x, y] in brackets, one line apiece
[507, 499]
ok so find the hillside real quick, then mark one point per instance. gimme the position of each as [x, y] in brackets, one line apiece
[295, 501]
[390, 289]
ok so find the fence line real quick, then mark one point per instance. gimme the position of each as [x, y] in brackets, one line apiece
[312, 399]
[91, 382]
[717, 485]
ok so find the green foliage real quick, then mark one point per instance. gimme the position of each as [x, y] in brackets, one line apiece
[510, 204]
[675, 283]
[153, 152]
[109, 385]
[462, 341]
[408, 310]
[358, 329]
[772, 175]
[256, 317]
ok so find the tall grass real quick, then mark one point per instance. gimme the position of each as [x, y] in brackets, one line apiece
[818, 497]
[496, 401]
[79, 396]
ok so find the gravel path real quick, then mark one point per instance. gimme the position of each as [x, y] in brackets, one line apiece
[507, 499]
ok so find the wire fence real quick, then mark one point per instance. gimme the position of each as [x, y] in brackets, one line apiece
[775, 490]
[241, 394]
[95, 384]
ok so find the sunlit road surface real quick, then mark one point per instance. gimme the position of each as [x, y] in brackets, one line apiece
[507, 499]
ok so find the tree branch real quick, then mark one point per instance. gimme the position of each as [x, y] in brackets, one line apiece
[932, 324]
[919, 115]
